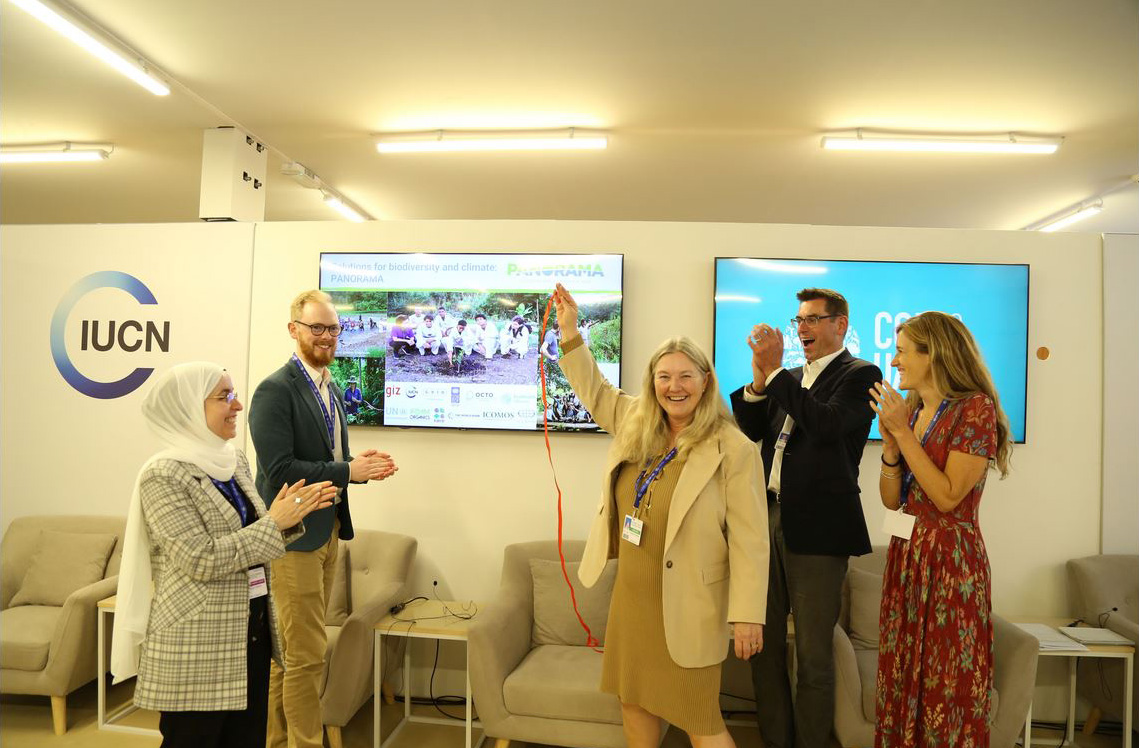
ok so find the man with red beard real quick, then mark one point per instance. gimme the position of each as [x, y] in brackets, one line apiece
[299, 429]
[813, 422]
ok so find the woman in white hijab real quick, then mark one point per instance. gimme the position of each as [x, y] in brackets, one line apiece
[201, 642]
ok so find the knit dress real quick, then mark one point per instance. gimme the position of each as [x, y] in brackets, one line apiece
[637, 666]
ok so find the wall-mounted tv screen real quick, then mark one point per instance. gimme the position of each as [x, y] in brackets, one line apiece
[992, 300]
[454, 340]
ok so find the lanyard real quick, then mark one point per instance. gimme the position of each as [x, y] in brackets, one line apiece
[907, 474]
[641, 485]
[326, 412]
[230, 490]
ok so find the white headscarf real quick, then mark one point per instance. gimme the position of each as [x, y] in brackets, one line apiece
[175, 411]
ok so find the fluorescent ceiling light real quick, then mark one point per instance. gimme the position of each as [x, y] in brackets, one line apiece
[50, 153]
[922, 143]
[343, 207]
[1066, 218]
[71, 25]
[434, 141]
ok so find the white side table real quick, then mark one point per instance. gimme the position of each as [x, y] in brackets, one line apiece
[106, 610]
[1122, 652]
[423, 619]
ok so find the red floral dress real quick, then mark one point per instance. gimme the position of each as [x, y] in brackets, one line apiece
[935, 658]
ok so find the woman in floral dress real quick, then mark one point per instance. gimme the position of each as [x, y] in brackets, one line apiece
[935, 661]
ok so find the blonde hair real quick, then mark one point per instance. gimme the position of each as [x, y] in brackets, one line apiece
[646, 433]
[957, 368]
[297, 308]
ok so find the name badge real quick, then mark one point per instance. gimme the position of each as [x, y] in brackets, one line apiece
[899, 524]
[781, 442]
[632, 529]
[257, 585]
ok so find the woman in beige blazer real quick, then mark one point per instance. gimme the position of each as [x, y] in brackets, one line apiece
[681, 509]
[197, 527]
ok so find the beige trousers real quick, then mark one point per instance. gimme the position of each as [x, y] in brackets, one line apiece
[302, 585]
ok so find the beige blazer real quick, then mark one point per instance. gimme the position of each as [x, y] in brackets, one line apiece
[716, 542]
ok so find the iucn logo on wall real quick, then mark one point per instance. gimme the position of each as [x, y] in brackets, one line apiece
[105, 335]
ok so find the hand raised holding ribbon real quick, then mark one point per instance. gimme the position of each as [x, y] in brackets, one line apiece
[566, 308]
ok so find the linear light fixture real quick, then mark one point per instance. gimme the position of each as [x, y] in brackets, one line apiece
[94, 40]
[1077, 212]
[435, 141]
[1068, 216]
[348, 210]
[54, 153]
[944, 143]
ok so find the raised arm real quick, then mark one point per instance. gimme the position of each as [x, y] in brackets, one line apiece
[607, 404]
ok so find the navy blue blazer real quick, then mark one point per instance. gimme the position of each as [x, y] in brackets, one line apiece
[820, 507]
[291, 439]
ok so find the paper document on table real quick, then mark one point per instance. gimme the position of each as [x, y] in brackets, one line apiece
[1088, 635]
[1050, 638]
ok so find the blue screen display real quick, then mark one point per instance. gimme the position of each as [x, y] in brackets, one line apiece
[992, 301]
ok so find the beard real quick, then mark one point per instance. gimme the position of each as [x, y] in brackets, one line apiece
[319, 357]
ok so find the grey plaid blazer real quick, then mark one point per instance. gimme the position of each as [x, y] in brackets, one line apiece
[193, 657]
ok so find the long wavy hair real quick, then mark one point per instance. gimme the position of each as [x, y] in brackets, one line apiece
[957, 369]
[646, 434]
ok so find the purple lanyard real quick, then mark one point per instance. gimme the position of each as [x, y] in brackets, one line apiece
[325, 411]
[230, 490]
[907, 474]
[641, 485]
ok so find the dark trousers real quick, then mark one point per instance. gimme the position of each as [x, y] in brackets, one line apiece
[810, 588]
[231, 729]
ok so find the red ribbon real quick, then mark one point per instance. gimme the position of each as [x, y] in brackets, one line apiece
[590, 639]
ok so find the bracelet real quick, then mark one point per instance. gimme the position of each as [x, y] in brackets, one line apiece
[891, 464]
[890, 476]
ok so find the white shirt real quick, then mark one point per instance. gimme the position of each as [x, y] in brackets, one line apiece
[811, 372]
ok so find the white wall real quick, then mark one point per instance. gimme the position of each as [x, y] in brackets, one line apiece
[67, 453]
[465, 495]
[1120, 394]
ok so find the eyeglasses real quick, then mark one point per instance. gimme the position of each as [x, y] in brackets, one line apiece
[812, 319]
[227, 397]
[319, 329]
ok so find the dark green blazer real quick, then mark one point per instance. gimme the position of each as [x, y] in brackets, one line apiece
[291, 440]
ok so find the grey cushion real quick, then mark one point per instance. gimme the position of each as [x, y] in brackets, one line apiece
[64, 563]
[865, 607]
[554, 619]
[25, 636]
[333, 634]
[560, 682]
[867, 660]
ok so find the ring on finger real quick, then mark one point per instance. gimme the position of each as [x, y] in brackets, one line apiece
[298, 500]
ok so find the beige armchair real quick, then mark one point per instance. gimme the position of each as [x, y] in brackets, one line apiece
[370, 577]
[1104, 590]
[53, 572]
[856, 662]
[531, 675]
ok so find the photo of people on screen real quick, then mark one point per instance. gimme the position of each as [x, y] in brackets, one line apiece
[474, 337]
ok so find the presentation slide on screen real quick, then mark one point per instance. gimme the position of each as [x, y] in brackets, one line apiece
[992, 301]
[454, 340]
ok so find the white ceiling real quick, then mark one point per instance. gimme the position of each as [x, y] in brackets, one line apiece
[715, 108]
